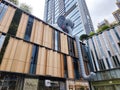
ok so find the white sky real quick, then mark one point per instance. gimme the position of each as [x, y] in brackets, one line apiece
[99, 9]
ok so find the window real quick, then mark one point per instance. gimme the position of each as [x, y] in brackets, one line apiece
[56, 38]
[2, 38]
[101, 64]
[76, 68]
[15, 22]
[3, 9]
[107, 62]
[65, 67]
[34, 57]
[29, 28]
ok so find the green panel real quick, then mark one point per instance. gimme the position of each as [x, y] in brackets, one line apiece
[15, 22]
[105, 83]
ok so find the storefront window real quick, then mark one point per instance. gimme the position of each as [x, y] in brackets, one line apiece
[34, 59]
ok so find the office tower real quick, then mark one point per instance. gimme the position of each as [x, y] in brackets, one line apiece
[103, 23]
[105, 52]
[76, 10]
[118, 3]
[116, 15]
[36, 56]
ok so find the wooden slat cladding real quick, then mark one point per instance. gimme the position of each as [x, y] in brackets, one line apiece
[41, 62]
[49, 66]
[22, 26]
[75, 47]
[8, 56]
[62, 65]
[6, 21]
[48, 36]
[70, 67]
[64, 43]
[16, 56]
[37, 32]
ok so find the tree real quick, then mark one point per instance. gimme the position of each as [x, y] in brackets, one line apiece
[83, 37]
[91, 34]
[105, 27]
[14, 1]
[25, 7]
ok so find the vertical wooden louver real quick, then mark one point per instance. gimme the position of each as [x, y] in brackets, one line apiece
[75, 48]
[48, 36]
[64, 43]
[22, 26]
[37, 32]
[6, 21]
[17, 57]
[41, 62]
[70, 67]
[28, 58]
[57, 65]
[62, 65]
[9, 55]
[49, 66]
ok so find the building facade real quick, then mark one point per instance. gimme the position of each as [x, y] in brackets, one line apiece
[36, 56]
[76, 10]
[118, 3]
[105, 52]
[103, 23]
[116, 13]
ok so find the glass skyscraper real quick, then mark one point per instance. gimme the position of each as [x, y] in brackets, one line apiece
[76, 10]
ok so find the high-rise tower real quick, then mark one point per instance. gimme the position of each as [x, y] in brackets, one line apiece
[76, 10]
[118, 3]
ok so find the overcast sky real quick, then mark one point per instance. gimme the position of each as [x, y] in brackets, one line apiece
[99, 9]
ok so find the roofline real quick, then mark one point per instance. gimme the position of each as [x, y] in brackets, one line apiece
[8, 2]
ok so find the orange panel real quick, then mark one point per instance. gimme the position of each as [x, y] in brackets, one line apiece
[3, 64]
[27, 67]
[22, 26]
[55, 72]
[50, 58]
[49, 71]
[29, 53]
[40, 31]
[62, 65]
[70, 67]
[47, 37]
[76, 53]
[64, 43]
[55, 62]
[18, 66]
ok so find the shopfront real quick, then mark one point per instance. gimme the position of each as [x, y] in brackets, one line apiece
[23, 82]
[106, 85]
[77, 85]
